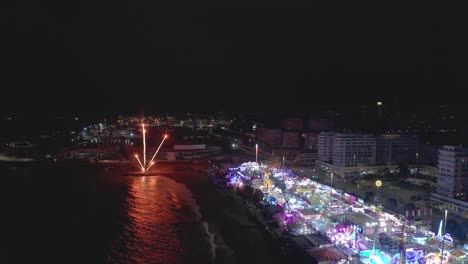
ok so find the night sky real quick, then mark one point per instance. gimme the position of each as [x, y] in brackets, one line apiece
[67, 57]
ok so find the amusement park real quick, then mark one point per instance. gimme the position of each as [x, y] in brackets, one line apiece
[327, 225]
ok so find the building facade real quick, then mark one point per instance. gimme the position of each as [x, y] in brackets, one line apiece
[310, 140]
[429, 155]
[397, 148]
[354, 149]
[455, 206]
[307, 158]
[345, 153]
[191, 152]
[290, 139]
[452, 174]
[325, 147]
[270, 136]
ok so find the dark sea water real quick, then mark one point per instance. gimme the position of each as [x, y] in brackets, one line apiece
[87, 215]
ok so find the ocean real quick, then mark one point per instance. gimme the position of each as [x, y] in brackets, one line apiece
[72, 214]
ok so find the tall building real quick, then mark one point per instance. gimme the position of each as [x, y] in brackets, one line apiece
[290, 139]
[347, 149]
[395, 148]
[429, 155]
[452, 175]
[354, 149]
[310, 140]
[270, 136]
[325, 147]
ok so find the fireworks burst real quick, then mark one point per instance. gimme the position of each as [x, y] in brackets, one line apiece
[144, 165]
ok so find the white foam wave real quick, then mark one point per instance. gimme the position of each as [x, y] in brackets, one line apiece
[191, 202]
[210, 240]
[218, 248]
[225, 253]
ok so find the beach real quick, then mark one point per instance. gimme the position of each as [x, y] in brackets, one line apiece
[237, 235]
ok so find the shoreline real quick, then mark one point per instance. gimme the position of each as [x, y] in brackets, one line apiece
[238, 237]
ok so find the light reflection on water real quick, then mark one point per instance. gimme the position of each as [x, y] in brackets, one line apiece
[160, 223]
[67, 214]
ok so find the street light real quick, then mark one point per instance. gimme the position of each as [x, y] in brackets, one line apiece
[443, 238]
[256, 153]
[375, 226]
[379, 106]
[378, 184]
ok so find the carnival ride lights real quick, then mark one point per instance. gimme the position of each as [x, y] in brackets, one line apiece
[242, 175]
[236, 181]
[412, 256]
[267, 181]
[290, 218]
[434, 258]
[304, 230]
[422, 240]
[345, 236]
[295, 194]
[270, 199]
[378, 257]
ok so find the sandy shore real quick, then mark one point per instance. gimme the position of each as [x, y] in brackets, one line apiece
[239, 238]
[244, 237]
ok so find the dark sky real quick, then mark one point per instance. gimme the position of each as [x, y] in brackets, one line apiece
[72, 56]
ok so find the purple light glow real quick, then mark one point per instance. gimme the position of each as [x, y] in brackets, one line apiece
[290, 218]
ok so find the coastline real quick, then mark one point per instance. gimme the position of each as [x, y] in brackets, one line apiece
[238, 237]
